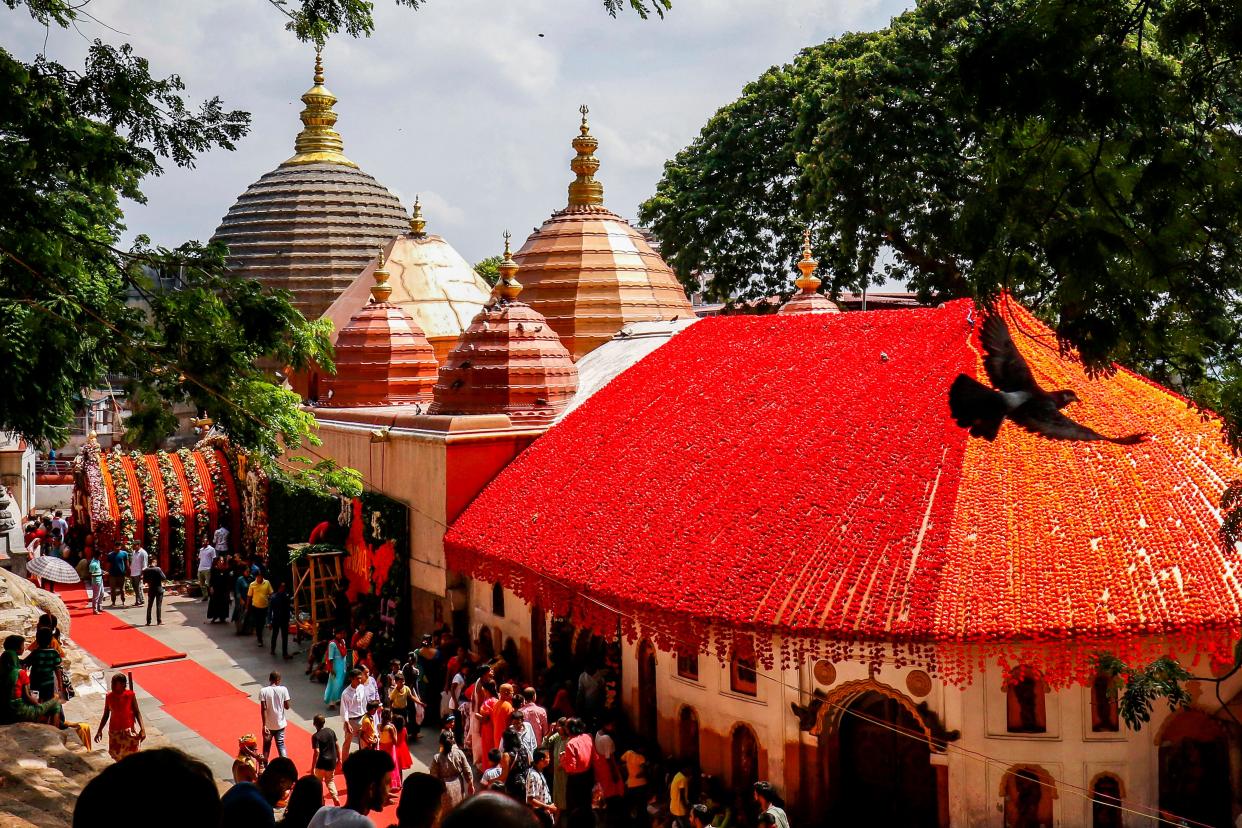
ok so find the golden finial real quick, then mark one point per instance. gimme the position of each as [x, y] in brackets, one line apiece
[381, 290]
[507, 286]
[319, 142]
[585, 191]
[807, 282]
[418, 227]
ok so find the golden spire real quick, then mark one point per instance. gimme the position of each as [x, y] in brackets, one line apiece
[507, 286]
[585, 191]
[319, 142]
[381, 290]
[807, 282]
[418, 227]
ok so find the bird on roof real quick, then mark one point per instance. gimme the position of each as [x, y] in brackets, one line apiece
[1016, 396]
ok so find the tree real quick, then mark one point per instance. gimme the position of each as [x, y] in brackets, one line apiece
[1083, 156]
[489, 269]
[73, 143]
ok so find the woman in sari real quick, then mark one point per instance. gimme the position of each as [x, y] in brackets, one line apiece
[452, 768]
[338, 666]
[17, 700]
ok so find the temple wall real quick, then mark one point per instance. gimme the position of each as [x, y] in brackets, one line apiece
[971, 778]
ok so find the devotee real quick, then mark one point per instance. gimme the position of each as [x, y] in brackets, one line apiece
[280, 609]
[770, 802]
[515, 763]
[43, 661]
[590, 693]
[15, 686]
[679, 794]
[538, 797]
[273, 702]
[502, 712]
[450, 766]
[517, 720]
[219, 592]
[258, 594]
[700, 816]
[123, 719]
[366, 790]
[206, 558]
[421, 803]
[324, 756]
[404, 760]
[153, 576]
[368, 684]
[241, 585]
[153, 787]
[388, 745]
[137, 563]
[491, 779]
[338, 669]
[220, 540]
[492, 809]
[399, 697]
[118, 568]
[305, 800]
[369, 727]
[353, 708]
[94, 575]
[554, 744]
[634, 764]
[252, 804]
[536, 715]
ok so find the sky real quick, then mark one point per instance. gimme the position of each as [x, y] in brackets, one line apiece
[461, 101]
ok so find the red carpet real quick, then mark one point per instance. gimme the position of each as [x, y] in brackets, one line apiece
[182, 681]
[113, 642]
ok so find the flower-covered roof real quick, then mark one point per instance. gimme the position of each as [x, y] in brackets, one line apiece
[731, 488]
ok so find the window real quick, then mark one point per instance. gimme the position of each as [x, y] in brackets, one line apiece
[1106, 802]
[1028, 793]
[1025, 709]
[688, 666]
[498, 601]
[742, 677]
[1104, 705]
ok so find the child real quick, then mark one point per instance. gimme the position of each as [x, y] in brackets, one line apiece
[368, 732]
[43, 662]
[404, 760]
[490, 780]
[324, 756]
[122, 715]
[388, 744]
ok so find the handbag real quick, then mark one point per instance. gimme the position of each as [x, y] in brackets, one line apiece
[419, 708]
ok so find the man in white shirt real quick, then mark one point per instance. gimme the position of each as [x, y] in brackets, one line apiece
[353, 708]
[137, 563]
[274, 701]
[220, 540]
[368, 684]
[206, 557]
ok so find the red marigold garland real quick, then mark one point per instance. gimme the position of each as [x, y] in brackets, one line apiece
[198, 496]
[220, 487]
[128, 527]
[176, 515]
[799, 479]
[103, 521]
[150, 503]
[159, 551]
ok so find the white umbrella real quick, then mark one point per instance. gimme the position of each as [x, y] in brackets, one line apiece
[53, 569]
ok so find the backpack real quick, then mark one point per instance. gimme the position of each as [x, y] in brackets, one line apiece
[579, 751]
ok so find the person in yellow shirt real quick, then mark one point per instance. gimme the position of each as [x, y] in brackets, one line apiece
[368, 731]
[679, 795]
[257, 597]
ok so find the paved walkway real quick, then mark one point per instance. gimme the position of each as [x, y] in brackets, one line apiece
[243, 664]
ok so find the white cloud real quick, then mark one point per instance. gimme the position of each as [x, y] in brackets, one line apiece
[461, 101]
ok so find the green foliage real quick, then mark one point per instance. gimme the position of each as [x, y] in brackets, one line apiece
[1084, 156]
[325, 476]
[489, 269]
[1140, 688]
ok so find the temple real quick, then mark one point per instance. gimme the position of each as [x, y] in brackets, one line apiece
[312, 223]
[588, 271]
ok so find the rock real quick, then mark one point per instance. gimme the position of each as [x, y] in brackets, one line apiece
[24, 594]
[42, 771]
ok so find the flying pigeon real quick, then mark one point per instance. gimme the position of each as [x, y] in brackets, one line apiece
[1016, 396]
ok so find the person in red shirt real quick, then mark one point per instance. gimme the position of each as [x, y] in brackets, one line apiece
[125, 729]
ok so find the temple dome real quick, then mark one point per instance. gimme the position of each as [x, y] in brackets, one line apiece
[588, 272]
[509, 361]
[430, 281]
[382, 356]
[310, 225]
[808, 299]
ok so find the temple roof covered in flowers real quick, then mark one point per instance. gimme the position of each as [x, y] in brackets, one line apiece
[796, 483]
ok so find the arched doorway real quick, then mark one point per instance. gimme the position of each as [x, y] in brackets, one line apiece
[745, 754]
[1028, 792]
[1106, 802]
[879, 765]
[688, 735]
[1194, 769]
[648, 712]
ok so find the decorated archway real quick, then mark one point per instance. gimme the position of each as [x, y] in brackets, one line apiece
[876, 759]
